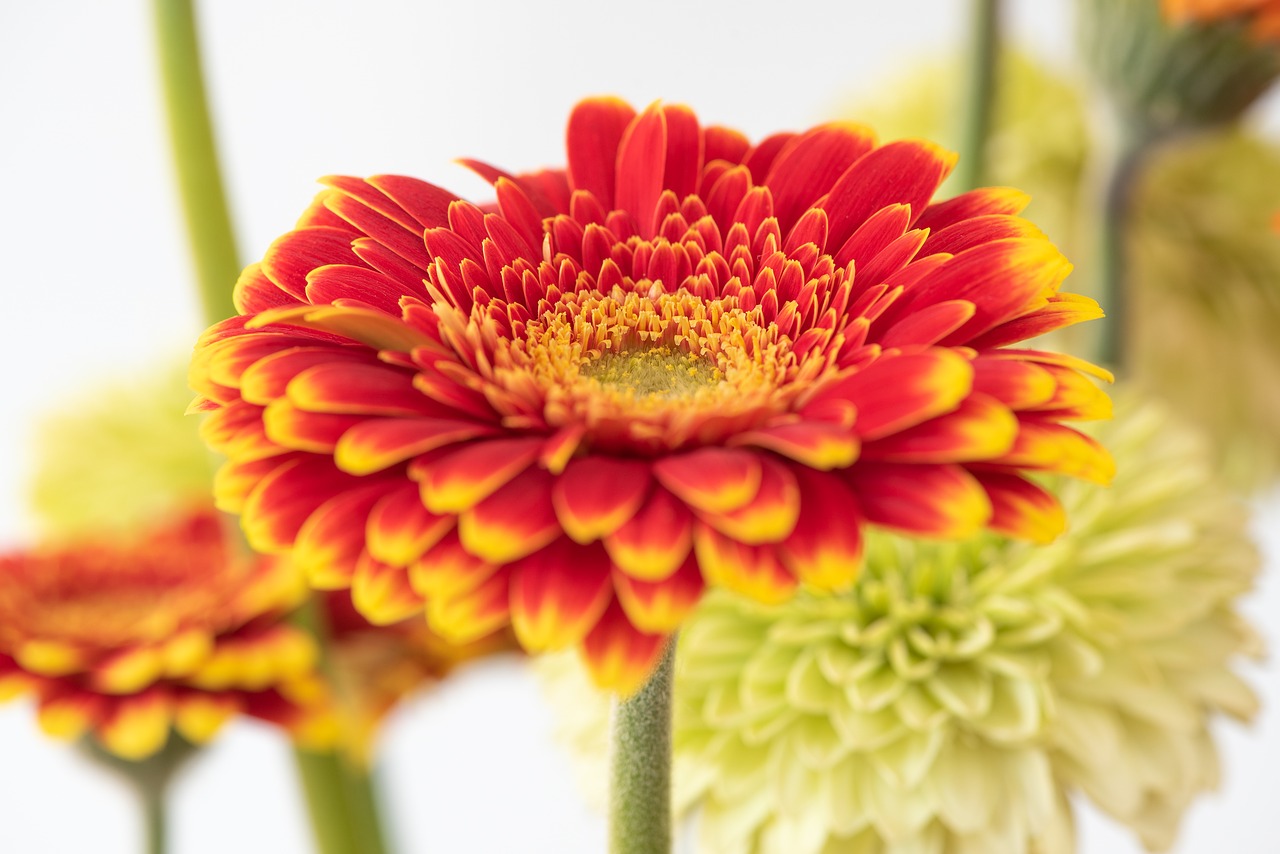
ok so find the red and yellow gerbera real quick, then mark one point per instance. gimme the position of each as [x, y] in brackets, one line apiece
[1263, 16]
[129, 637]
[683, 360]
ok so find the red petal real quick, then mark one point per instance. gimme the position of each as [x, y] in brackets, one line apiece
[292, 256]
[1053, 447]
[619, 656]
[400, 529]
[767, 518]
[753, 571]
[902, 172]
[426, 203]
[657, 539]
[1064, 309]
[713, 479]
[332, 538]
[817, 444]
[897, 392]
[980, 202]
[558, 594]
[642, 156]
[595, 496]
[290, 427]
[810, 164]
[660, 607]
[981, 428]
[382, 594]
[926, 500]
[447, 570]
[463, 478]
[929, 325]
[277, 507]
[515, 521]
[1018, 385]
[376, 444]
[343, 387]
[825, 549]
[964, 235]
[267, 378]
[596, 127]
[342, 281]
[684, 151]
[468, 616]
[1022, 509]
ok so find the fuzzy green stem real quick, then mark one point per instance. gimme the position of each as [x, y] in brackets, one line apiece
[980, 94]
[196, 158]
[640, 792]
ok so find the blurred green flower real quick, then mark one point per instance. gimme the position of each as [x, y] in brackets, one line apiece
[121, 457]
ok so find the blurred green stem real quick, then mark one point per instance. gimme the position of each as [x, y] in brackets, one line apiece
[1120, 170]
[196, 158]
[155, 818]
[640, 790]
[340, 797]
[980, 94]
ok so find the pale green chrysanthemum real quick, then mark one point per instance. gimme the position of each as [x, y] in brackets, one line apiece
[960, 695]
[124, 455]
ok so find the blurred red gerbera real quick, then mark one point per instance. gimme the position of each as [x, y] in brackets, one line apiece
[1262, 16]
[129, 637]
[683, 360]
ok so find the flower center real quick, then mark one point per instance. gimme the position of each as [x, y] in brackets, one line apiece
[662, 371]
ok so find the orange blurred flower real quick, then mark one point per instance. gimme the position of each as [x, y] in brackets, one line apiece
[685, 359]
[129, 637]
[1263, 15]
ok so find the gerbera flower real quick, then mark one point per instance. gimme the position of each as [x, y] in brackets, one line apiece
[683, 360]
[1261, 16]
[127, 638]
[962, 695]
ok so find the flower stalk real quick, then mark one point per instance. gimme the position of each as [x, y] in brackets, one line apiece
[195, 156]
[980, 94]
[640, 783]
[340, 799]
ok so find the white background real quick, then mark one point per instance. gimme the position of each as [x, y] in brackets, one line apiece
[96, 283]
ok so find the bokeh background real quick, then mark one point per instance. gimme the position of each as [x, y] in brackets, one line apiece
[97, 286]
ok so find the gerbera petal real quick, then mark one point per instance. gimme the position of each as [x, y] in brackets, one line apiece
[516, 520]
[825, 549]
[69, 713]
[642, 156]
[199, 716]
[332, 538]
[898, 392]
[400, 529]
[382, 593]
[979, 202]
[136, 727]
[1062, 311]
[1045, 446]
[807, 167]
[767, 518]
[357, 389]
[596, 127]
[754, 571]
[558, 594]
[817, 444]
[465, 616]
[448, 570]
[287, 426]
[927, 500]
[714, 479]
[619, 656]
[901, 172]
[375, 444]
[1018, 385]
[463, 478]
[281, 502]
[1022, 509]
[291, 257]
[656, 540]
[659, 607]
[595, 496]
[979, 429]
[684, 150]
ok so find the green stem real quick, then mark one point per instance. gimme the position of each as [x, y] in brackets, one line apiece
[1122, 168]
[155, 817]
[980, 95]
[340, 795]
[640, 793]
[196, 158]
